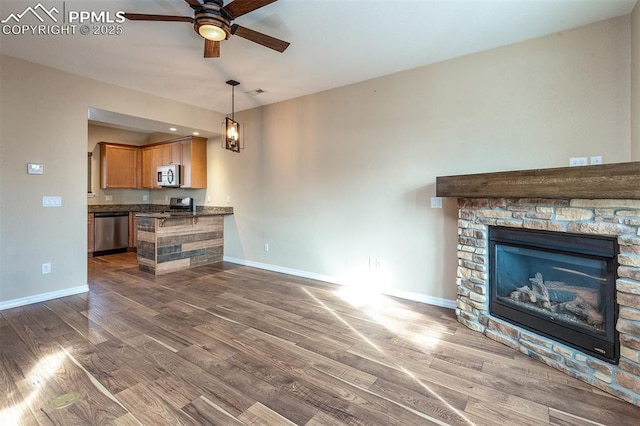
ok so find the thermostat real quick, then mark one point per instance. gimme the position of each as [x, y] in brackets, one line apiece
[35, 169]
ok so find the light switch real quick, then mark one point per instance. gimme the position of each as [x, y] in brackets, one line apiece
[436, 202]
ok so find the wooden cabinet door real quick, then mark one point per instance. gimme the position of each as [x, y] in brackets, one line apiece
[166, 156]
[170, 153]
[149, 178]
[176, 153]
[119, 166]
[194, 163]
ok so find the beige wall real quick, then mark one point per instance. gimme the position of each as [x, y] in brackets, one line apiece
[44, 120]
[635, 83]
[334, 178]
[331, 179]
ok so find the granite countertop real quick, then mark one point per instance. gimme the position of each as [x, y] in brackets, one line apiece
[176, 215]
[158, 209]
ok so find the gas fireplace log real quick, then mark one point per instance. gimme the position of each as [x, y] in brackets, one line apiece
[525, 294]
[537, 283]
[581, 309]
[590, 296]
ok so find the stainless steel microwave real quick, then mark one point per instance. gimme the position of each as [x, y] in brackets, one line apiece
[169, 175]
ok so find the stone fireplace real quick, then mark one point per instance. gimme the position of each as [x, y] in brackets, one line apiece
[616, 221]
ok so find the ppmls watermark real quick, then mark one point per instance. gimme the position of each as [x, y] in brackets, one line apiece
[57, 20]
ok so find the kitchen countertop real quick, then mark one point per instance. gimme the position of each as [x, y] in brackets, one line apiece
[176, 215]
[159, 209]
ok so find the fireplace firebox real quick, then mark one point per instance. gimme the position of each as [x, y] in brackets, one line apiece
[560, 285]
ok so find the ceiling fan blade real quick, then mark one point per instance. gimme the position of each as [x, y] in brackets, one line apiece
[194, 3]
[256, 37]
[211, 49]
[240, 7]
[145, 17]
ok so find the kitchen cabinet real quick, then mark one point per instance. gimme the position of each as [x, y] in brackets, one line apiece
[194, 162]
[135, 167]
[170, 153]
[190, 152]
[120, 166]
[90, 236]
[156, 155]
[148, 168]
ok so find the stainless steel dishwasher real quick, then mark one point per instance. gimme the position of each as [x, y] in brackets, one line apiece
[111, 232]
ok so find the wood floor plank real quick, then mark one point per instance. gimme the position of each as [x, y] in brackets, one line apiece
[501, 413]
[262, 391]
[87, 329]
[206, 412]
[231, 344]
[258, 414]
[149, 407]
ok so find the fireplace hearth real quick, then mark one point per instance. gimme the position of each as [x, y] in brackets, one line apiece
[560, 285]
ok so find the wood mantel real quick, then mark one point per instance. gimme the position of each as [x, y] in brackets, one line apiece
[619, 180]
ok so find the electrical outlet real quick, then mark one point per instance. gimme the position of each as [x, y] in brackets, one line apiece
[145, 197]
[578, 161]
[46, 268]
[266, 247]
[108, 198]
[596, 159]
[228, 199]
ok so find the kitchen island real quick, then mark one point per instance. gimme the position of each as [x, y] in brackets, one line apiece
[169, 242]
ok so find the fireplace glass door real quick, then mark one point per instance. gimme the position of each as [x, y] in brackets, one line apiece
[559, 285]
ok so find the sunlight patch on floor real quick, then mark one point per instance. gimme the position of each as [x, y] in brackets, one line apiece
[429, 340]
[38, 378]
[435, 394]
[365, 289]
[339, 318]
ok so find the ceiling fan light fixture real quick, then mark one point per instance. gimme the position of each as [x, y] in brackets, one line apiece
[212, 32]
[211, 23]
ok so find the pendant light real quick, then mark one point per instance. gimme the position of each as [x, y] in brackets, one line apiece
[232, 127]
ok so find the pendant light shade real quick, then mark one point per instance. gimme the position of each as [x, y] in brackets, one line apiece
[232, 127]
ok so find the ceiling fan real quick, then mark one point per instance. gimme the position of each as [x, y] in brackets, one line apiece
[212, 21]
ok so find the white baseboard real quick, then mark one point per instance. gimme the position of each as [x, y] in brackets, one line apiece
[415, 297]
[14, 303]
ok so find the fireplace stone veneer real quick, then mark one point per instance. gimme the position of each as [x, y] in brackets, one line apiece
[619, 218]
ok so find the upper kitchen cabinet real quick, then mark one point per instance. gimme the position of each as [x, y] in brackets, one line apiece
[149, 162]
[120, 166]
[194, 162]
[189, 152]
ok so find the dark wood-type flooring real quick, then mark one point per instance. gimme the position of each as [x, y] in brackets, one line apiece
[230, 345]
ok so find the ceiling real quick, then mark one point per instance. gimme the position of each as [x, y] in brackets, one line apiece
[333, 43]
